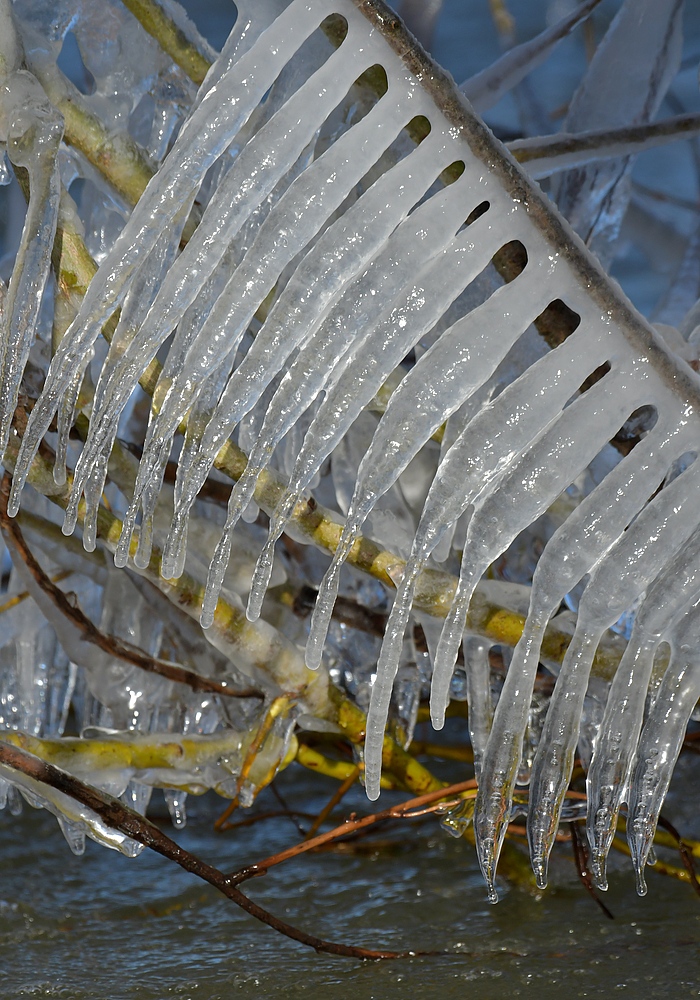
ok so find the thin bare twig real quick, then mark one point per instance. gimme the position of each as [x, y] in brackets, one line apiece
[581, 862]
[410, 809]
[118, 817]
[340, 791]
[686, 855]
[110, 644]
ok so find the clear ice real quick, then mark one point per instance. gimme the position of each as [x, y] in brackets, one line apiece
[333, 257]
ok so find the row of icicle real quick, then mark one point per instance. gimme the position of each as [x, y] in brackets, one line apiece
[368, 276]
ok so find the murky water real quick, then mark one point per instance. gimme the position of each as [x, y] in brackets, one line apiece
[104, 927]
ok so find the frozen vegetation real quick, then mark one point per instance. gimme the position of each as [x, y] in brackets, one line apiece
[267, 301]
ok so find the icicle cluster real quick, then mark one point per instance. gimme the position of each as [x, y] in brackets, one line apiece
[343, 247]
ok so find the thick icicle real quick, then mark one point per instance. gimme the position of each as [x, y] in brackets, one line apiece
[314, 196]
[201, 141]
[427, 231]
[485, 448]
[523, 492]
[381, 346]
[662, 738]
[608, 774]
[617, 581]
[250, 179]
[571, 553]
[458, 363]
[371, 363]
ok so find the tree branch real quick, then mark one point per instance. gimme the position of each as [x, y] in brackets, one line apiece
[124, 820]
[110, 644]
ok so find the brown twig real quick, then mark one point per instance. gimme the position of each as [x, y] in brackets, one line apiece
[581, 862]
[339, 793]
[110, 644]
[268, 814]
[410, 809]
[119, 817]
[686, 856]
[290, 814]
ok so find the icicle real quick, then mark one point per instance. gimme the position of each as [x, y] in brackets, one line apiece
[380, 345]
[175, 801]
[458, 363]
[251, 178]
[662, 738]
[201, 141]
[497, 434]
[33, 130]
[370, 362]
[74, 832]
[534, 481]
[92, 463]
[575, 547]
[616, 582]
[476, 659]
[337, 258]
[300, 310]
[617, 739]
[312, 198]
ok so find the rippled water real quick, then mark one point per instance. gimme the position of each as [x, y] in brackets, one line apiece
[102, 926]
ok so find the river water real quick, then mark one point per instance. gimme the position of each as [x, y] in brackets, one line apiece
[102, 926]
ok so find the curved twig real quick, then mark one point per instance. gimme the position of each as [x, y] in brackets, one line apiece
[126, 821]
[110, 644]
[410, 809]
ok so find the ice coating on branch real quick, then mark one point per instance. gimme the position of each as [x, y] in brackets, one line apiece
[487, 88]
[594, 198]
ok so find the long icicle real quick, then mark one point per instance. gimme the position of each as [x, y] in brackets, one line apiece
[201, 141]
[618, 580]
[662, 738]
[573, 550]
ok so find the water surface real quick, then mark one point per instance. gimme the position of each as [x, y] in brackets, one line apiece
[102, 926]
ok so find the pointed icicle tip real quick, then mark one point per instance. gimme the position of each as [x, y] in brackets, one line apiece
[641, 883]
[539, 867]
[598, 872]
